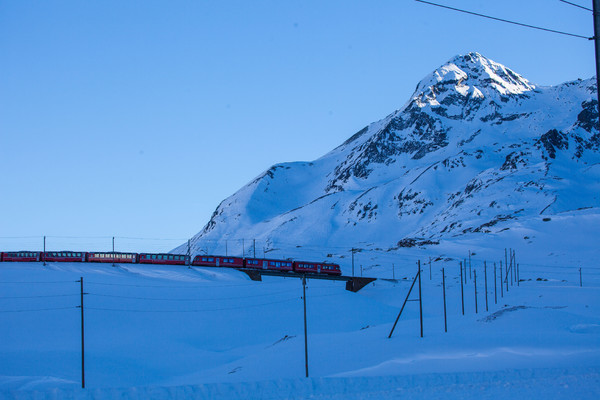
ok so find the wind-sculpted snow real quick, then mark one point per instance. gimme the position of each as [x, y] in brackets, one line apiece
[475, 150]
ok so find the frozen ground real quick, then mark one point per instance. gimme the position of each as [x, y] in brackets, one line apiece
[202, 333]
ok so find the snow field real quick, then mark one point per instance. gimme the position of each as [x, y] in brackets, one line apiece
[162, 332]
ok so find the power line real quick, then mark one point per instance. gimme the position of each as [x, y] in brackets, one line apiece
[35, 282]
[188, 300]
[191, 286]
[576, 5]
[194, 311]
[38, 297]
[38, 309]
[505, 20]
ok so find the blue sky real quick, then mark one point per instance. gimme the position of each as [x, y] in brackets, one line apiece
[136, 118]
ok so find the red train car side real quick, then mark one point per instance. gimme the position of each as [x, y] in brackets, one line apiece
[274, 265]
[109, 257]
[218, 261]
[163, 258]
[317, 268]
[64, 256]
[22, 256]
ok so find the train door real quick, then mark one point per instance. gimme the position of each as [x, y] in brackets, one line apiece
[318, 268]
[218, 261]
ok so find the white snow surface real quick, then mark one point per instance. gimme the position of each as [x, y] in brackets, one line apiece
[172, 332]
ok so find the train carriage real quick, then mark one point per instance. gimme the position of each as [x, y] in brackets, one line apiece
[163, 258]
[110, 257]
[273, 265]
[22, 256]
[317, 268]
[218, 261]
[64, 256]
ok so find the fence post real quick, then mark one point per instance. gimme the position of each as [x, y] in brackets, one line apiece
[580, 278]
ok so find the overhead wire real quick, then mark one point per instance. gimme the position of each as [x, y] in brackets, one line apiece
[576, 5]
[38, 309]
[38, 297]
[193, 311]
[188, 299]
[505, 20]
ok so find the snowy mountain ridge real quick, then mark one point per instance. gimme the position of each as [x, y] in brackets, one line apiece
[477, 149]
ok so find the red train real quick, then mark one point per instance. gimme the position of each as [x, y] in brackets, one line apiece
[173, 259]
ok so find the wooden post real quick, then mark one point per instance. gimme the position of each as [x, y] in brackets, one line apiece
[82, 337]
[444, 292]
[475, 278]
[462, 293]
[495, 286]
[305, 327]
[420, 300]
[501, 281]
[403, 305]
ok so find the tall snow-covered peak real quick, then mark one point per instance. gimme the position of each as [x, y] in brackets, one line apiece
[475, 147]
[472, 76]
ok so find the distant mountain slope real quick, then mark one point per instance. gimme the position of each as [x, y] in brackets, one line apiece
[477, 149]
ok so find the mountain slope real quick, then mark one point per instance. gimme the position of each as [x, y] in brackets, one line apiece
[476, 149]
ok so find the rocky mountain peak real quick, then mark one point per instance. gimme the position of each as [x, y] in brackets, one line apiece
[470, 76]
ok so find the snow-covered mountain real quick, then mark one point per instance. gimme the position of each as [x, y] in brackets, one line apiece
[477, 149]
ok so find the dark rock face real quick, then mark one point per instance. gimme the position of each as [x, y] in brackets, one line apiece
[588, 117]
[553, 140]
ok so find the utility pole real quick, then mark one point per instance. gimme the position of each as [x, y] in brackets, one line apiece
[596, 10]
[353, 262]
[82, 338]
[113, 252]
[254, 245]
[305, 329]
[189, 253]
[420, 300]
[44, 253]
